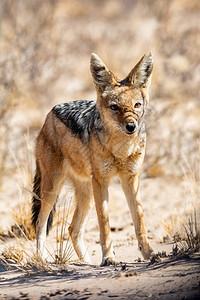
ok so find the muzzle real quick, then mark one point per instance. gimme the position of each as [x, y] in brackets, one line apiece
[131, 128]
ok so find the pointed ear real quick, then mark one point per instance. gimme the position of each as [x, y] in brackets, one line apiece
[103, 78]
[140, 76]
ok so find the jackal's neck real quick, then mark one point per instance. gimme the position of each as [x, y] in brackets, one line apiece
[119, 144]
[122, 146]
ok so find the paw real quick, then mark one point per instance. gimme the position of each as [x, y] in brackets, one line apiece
[86, 260]
[107, 261]
[42, 255]
[147, 251]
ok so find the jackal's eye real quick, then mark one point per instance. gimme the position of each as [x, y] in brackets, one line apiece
[137, 105]
[114, 107]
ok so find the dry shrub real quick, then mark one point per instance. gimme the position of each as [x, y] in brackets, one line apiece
[184, 227]
[189, 240]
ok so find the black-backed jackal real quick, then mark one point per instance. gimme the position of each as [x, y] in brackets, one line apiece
[87, 143]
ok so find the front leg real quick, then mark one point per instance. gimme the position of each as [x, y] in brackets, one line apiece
[130, 185]
[100, 191]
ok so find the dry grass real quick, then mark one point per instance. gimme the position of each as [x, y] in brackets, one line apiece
[37, 265]
[22, 260]
[25, 260]
[184, 227]
[189, 241]
[22, 214]
[22, 221]
[64, 248]
[16, 254]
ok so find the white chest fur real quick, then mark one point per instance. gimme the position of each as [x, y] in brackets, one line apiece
[123, 148]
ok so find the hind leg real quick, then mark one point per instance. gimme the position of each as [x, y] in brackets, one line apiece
[50, 188]
[83, 194]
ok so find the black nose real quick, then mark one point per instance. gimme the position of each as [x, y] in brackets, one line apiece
[131, 127]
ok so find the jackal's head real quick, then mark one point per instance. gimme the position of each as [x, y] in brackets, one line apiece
[122, 103]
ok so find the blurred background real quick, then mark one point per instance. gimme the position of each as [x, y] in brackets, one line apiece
[45, 49]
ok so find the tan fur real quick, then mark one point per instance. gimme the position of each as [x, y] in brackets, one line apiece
[89, 167]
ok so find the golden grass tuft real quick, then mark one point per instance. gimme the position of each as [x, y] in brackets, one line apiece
[22, 221]
[155, 170]
[15, 254]
[36, 264]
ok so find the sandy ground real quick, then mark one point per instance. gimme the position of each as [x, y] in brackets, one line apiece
[172, 278]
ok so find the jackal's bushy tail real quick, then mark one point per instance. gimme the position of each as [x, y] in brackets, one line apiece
[36, 201]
